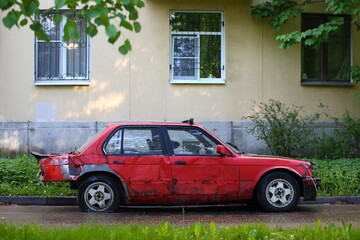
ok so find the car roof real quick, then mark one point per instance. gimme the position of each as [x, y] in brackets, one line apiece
[153, 124]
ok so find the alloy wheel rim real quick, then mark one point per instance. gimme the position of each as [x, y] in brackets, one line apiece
[98, 196]
[279, 193]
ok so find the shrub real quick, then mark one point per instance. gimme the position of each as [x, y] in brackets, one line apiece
[343, 142]
[285, 131]
[334, 146]
[351, 129]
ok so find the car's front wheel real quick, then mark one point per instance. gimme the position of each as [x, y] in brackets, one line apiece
[99, 194]
[278, 192]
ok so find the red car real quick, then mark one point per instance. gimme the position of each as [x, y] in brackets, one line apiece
[169, 163]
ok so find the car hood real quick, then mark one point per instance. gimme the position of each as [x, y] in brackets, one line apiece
[272, 158]
[251, 155]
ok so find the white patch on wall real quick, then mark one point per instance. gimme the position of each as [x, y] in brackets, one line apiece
[45, 112]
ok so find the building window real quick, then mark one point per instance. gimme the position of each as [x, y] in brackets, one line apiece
[197, 47]
[329, 64]
[58, 62]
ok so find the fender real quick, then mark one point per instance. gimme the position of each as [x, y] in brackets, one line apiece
[101, 168]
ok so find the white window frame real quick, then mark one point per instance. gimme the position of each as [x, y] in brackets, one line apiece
[197, 79]
[62, 61]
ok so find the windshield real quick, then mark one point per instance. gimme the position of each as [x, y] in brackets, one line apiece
[234, 148]
[89, 141]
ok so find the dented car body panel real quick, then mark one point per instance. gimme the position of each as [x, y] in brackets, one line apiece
[172, 163]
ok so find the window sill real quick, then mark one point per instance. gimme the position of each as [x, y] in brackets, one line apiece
[336, 84]
[205, 81]
[62, 83]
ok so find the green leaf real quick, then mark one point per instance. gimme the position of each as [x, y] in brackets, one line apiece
[102, 20]
[111, 30]
[23, 22]
[114, 38]
[29, 7]
[40, 34]
[137, 27]
[96, 11]
[36, 26]
[71, 4]
[59, 4]
[6, 4]
[91, 30]
[70, 31]
[57, 18]
[139, 3]
[126, 25]
[11, 18]
[125, 48]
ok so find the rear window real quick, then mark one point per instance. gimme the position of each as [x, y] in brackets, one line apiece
[89, 141]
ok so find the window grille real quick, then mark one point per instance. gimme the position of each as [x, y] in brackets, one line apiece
[197, 47]
[58, 61]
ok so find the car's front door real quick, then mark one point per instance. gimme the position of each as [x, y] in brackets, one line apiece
[137, 155]
[199, 173]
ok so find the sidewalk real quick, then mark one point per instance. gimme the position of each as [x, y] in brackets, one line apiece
[71, 201]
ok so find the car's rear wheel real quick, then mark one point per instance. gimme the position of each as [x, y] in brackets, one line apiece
[278, 192]
[99, 194]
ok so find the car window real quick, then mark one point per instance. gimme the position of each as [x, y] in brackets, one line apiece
[89, 141]
[134, 141]
[191, 141]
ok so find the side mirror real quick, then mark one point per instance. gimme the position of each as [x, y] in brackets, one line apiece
[220, 149]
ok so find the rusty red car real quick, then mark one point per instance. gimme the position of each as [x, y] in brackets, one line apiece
[175, 163]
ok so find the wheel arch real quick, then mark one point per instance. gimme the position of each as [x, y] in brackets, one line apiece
[296, 176]
[114, 177]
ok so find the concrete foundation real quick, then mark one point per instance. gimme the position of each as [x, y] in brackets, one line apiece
[63, 137]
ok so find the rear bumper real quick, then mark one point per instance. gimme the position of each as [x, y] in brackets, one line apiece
[310, 187]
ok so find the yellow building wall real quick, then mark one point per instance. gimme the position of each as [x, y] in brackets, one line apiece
[136, 87]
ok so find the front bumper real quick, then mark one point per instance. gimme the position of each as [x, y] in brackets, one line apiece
[310, 188]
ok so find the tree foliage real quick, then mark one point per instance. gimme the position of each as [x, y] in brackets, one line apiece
[280, 11]
[113, 15]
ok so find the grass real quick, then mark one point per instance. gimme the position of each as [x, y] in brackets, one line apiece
[171, 231]
[19, 177]
[339, 177]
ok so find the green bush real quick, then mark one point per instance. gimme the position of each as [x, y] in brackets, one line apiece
[285, 131]
[343, 142]
[351, 129]
[334, 146]
[340, 177]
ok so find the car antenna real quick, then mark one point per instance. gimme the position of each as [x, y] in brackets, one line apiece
[190, 121]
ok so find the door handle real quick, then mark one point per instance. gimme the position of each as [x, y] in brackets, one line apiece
[119, 162]
[180, 162]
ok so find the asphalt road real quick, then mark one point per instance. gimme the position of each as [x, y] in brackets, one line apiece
[229, 215]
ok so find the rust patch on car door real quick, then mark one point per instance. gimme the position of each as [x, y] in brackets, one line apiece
[205, 178]
[148, 177]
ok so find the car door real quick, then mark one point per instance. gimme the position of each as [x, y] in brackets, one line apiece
[137, 155]
[199, 173]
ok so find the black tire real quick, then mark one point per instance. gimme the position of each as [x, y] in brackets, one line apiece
[99, 193]
[278, 192]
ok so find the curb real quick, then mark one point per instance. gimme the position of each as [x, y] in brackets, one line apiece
[34, 200]
[72, 201]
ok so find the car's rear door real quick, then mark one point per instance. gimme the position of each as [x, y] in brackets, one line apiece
[136, 153]
[199, 173]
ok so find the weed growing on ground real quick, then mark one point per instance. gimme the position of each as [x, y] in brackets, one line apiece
[166, 230]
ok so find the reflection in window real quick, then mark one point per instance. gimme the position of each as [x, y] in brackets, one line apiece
[190, 141]
[58, 60]
[134, 141]
[330, 62]
[197, 48]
